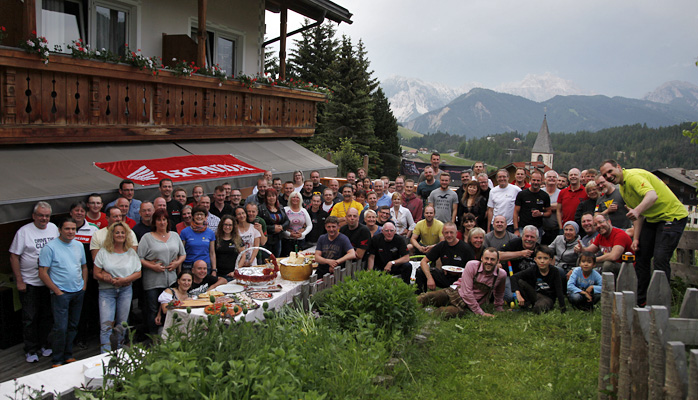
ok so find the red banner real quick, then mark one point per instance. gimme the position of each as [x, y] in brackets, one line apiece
[185, 168]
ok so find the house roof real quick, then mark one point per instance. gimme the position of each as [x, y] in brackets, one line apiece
[676, 174]
[543, 143]
[314, 9]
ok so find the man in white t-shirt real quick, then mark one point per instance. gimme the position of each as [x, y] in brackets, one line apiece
[33, 293]
[502, 200]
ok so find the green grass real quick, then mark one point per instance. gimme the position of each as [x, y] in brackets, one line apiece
[407, 133]
[448, 159]
[514, 355]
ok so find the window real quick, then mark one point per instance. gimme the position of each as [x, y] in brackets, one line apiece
[62, 21]
[108, 26]
[221, 47]
[110, 29]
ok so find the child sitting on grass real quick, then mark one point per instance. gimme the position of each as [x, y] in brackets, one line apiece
[584, 285]
[537, 288]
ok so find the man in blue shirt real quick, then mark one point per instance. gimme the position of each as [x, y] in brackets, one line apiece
[127, 190]
[63, 269]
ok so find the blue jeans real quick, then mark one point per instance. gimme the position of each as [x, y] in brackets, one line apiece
[66, 316]
[36, 317]
[578, 300]
[114, 306]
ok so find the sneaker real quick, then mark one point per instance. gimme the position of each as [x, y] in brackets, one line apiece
[46, 352]
[70, 360]
[32, 358]
[56, 365]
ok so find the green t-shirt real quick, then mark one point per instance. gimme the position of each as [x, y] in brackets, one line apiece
[637, 182]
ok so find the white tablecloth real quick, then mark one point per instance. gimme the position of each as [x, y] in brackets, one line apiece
[55, 380]
[279, 299]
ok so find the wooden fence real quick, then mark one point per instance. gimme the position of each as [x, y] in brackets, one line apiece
[643, 351]
[313, 286]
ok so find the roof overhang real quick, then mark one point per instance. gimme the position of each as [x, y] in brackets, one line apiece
[317, 10]
[64, 174]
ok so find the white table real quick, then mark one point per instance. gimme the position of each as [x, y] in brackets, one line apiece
[55, 380]
[279, 299]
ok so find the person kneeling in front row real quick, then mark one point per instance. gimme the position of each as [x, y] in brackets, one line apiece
[537, 288]
[584, 285]
[481, 280]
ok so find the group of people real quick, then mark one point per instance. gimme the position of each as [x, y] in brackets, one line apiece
[526, 240]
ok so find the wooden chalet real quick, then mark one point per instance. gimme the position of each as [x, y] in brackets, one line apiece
[59, 118]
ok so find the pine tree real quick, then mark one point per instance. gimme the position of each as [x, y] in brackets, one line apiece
[385, 131]
[349, 112]
[271, 62]
[314, 54]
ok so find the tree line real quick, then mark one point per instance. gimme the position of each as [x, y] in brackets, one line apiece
[634, 146]
[357, 119]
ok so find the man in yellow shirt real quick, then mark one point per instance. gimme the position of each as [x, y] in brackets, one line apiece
[340, 209]
[658, 216]
[427, 233]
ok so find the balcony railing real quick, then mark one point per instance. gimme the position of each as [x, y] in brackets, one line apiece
[73, 100]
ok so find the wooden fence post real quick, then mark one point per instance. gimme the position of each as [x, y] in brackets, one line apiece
[627, 278]
[659, 317]
[616, 316]
[689, 307]
[606, 315]
[626, 324]
[639, 353]
[693, 375]
[313, 285]
[305, 294]
[676, 380]
[659, 291]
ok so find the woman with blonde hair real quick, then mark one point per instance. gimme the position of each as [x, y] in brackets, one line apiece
[116, 266]
[298, 180]
[370, 218]
[404, 223]
[300, 224]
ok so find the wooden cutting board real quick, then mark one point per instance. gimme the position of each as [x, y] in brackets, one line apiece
[195, 303]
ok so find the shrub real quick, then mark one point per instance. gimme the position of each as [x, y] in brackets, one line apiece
[373, 300]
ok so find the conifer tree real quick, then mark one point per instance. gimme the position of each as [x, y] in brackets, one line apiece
[385, 131]
[349, 112]
[314, 54]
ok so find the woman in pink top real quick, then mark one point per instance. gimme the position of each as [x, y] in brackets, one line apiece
[300, 224]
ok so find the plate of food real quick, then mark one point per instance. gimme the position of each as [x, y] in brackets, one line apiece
[261, 295]
[223, 310]
[230, 288]
[453, 269]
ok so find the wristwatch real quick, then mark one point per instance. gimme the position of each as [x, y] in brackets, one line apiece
[392, 262]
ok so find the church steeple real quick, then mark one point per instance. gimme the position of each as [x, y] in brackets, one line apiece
[543, 149]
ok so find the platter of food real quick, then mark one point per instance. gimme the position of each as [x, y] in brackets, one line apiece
[226, 310]
[245, 300]
[453, 269]
[261, 295]
[269, 288]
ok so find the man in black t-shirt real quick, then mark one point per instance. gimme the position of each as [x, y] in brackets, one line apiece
[450, 251]
[388, 252]
[358, 234]
[202, 282]
[531, 205]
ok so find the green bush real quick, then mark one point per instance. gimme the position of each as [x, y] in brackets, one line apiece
[293, 355]
[373, 301]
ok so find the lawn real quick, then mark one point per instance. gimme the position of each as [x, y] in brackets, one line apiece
[515, 355]
[407, 133]
[448, 159]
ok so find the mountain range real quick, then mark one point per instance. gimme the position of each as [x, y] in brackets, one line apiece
[477, 112]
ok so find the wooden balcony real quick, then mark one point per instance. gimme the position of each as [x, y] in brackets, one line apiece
[73, 100]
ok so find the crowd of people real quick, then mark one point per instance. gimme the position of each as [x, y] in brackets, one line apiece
[537, 240]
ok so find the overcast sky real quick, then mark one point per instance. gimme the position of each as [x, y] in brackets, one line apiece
[617, 47]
